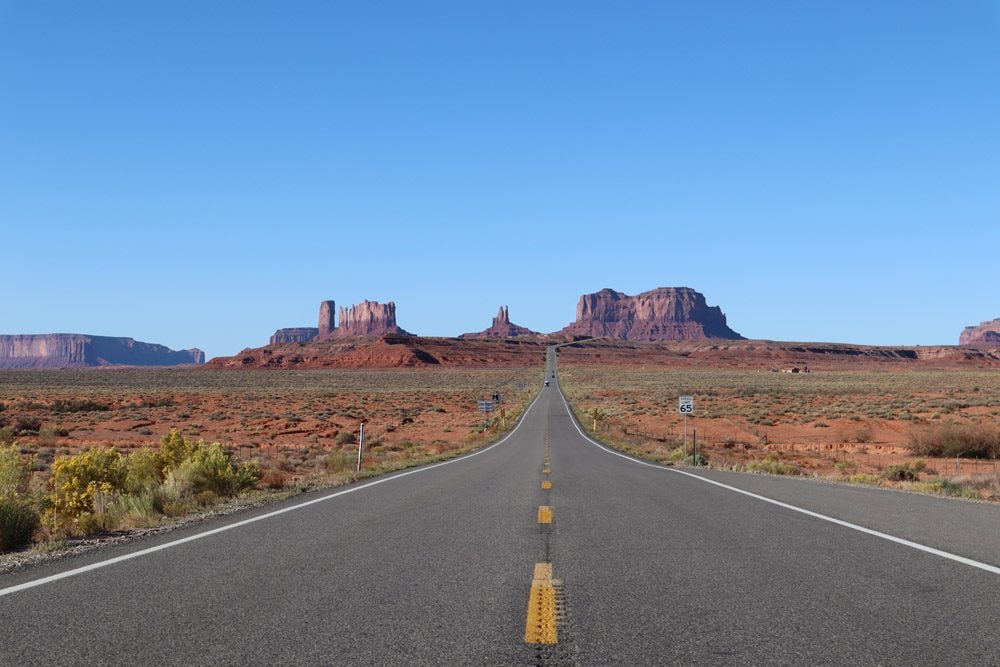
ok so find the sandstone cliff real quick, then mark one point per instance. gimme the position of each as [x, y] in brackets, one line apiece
[70, 350]
[987, 333]
[665, 313]
[294, 335]
[326, 320]
[367, 319]
[502, 327]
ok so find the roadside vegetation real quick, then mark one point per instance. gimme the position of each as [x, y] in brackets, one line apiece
[285, 433]
[932, 431]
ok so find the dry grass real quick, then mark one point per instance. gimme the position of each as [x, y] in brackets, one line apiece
[850, 424]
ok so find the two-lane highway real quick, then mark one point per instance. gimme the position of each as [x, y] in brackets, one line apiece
[544, 537]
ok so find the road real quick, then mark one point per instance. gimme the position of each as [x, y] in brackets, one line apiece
[450, 565]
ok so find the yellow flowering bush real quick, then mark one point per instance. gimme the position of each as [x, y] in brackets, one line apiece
[75, 481]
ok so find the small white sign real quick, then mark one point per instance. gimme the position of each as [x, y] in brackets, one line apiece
[685, 405]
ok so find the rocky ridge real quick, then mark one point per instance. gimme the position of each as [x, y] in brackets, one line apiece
[665, 313]
[62, 350]
[502, 327]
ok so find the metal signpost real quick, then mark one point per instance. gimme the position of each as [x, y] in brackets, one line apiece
[685, 406]
[485, 407]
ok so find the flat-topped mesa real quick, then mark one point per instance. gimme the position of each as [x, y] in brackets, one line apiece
[75, 350]
[502, 327]
[294, 335]
[665, 313]
[987, 333]
[367, 319]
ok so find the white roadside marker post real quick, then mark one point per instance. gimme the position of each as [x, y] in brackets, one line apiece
[361, 445]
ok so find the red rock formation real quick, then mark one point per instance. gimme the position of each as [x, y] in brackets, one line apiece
[294, 335]
[502, 328]
[987, 333]
[665, 313]
[367, 319]
[326, 323]
[69, 350]
[390, 352]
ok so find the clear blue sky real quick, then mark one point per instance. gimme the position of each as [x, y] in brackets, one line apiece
[201, 173]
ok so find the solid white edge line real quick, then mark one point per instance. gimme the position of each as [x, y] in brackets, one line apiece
[191, 538]
[816, 515]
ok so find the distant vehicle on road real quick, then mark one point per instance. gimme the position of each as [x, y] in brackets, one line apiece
[546, 383]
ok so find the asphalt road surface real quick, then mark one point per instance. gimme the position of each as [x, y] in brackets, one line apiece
[642, 565]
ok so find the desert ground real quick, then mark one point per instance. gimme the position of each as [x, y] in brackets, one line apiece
[851, 419]
[292, 421]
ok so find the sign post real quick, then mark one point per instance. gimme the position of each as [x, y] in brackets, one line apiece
[685, 406]
[361, 445]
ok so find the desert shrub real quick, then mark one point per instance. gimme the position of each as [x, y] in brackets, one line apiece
[345, 438]
[272, 478]
[156, 402]
[15, 472]
[78, 405]
[963, 440]
[900, 472]
[338, 462]
[206, 498]
[75, 481]
[174, 449]
[773, 466]
[144, 471]
[24, 424]
[692, 460]
[136, 510]
[6, 435]
[861, 478]
[209, 468]
[18, 522]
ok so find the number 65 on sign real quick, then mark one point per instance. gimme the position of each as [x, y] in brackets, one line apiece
[685, 405]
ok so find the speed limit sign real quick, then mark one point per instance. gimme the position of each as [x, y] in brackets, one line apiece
[685, 405]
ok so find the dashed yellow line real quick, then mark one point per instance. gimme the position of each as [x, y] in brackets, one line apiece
[540, 626]
[546, 471]
[544, 514]
[546, 484]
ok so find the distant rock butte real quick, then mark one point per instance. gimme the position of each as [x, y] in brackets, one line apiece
[987, 333]
[368, 319]
[502, 328]
[327, 323]
[294, 335]
[75, 350]
[665, 313]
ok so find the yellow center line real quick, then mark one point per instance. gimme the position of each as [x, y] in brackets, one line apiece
[544, 514]
[546, 471]
[540, 625]
[546, 484]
